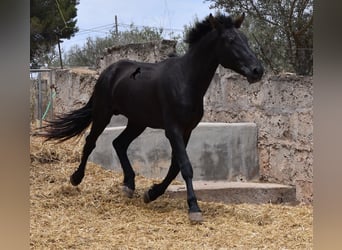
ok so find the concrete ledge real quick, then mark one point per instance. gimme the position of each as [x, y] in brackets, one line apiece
[217, 151]
[237, 192]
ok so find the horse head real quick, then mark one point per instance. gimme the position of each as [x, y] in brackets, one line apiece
[232, 48]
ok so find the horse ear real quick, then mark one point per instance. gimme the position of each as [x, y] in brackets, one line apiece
[238, 21]
[214, 23]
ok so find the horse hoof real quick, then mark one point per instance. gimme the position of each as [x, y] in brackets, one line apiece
[147, 197]
[74, 181]
[195, 217]
[127, 192]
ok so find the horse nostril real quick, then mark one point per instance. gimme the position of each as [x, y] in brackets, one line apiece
[258, 71]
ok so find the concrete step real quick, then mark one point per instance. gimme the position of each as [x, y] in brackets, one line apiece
[217, 151]
[237, 192]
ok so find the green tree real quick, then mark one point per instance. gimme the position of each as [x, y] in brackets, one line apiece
[281, 31]
[88, 54]
[50, 21]
[136, 35]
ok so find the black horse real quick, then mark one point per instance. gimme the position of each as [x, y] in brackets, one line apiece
[166, 95]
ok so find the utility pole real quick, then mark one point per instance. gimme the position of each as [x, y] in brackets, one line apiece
[60, 54]
[59, 41]
[116, 25]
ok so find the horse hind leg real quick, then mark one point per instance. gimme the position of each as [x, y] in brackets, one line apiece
[158, 189]
[120, 145]
[98, 125]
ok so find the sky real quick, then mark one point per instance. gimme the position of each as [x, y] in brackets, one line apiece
[97, 18]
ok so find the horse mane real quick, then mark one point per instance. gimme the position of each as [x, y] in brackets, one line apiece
[200, 29]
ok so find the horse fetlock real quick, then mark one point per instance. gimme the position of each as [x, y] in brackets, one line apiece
[193, 205]
[153, 193]
[129, 182]
[147, 198]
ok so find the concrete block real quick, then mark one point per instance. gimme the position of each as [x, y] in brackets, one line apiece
[217, 151]
[237, 192]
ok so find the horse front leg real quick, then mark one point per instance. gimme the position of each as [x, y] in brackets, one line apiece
[178, 145]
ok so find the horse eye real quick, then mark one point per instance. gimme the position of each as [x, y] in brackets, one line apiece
[229, 38]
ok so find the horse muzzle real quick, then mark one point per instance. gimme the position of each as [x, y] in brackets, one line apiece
[254, 74]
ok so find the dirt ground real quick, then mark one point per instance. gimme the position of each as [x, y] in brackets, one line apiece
[95, 215]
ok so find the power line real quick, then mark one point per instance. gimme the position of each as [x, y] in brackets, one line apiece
[61, 13]
[152, 27]
[97, 28]
[106, 28]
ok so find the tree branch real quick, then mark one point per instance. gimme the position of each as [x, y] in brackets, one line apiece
[261, 16]
[306, 26]
[268, 61]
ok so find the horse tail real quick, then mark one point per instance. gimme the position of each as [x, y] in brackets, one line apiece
[68, 125]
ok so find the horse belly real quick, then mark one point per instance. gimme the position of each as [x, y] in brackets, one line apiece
[146, 112]
[139, 104]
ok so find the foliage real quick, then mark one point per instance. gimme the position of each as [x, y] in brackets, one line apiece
[88, 54]
[94, 47]
[50, 21]
[280, 31]
[136, 35]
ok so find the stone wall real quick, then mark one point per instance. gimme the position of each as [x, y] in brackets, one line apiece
[145, 52]
[281, 106]
[73, 88]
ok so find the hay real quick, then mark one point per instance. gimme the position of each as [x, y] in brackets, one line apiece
[95, 215]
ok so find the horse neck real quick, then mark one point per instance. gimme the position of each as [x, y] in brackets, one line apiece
[202, 64]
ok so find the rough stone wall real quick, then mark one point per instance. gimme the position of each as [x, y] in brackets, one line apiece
[73, 89]
[146, 52]
[282, 108]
